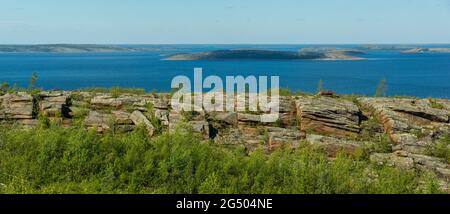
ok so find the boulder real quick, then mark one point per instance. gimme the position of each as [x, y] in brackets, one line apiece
[99, 121]
[16, 106]
[139, 119]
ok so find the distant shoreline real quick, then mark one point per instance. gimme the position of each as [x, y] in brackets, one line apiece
[334, 50]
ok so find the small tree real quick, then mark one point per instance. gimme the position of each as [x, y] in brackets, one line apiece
[33, 80]
[381, 89]
[320, 86]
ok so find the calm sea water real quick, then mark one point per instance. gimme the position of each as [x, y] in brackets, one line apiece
[421, 75]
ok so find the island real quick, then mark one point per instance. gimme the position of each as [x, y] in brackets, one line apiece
[63, 48]
[426, 50]
[249, 54]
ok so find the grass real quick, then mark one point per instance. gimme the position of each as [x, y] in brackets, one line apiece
[73, 160]
[441, 149]
[115, 91]
[435, 104]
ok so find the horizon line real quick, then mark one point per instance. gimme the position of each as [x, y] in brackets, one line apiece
[64, 43]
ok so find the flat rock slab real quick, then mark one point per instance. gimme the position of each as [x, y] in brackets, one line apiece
[328, 116]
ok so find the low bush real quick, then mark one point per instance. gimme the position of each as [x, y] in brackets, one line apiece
[53, 159]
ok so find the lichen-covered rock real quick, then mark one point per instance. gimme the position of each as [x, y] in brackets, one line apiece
[139, 119]
[328, 116]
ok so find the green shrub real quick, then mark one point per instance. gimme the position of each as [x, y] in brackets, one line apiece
[4, 88]
[115, 91]
[74, 160]
[435, 104]
[441, 149]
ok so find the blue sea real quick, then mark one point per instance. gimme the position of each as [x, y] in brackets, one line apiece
[421, 75]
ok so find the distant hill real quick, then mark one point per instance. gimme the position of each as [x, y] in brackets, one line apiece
[264, 55]
[62, 48]
[426, 50]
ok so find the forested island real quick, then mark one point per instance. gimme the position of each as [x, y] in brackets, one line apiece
[265, 55]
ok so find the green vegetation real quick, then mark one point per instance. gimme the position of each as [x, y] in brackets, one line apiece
[4, 88]
[52, 159]
[115, 91]
[33, 80]
[381, 89]
[441, 149]
[155, 121]
[435, 104]
[284, 92]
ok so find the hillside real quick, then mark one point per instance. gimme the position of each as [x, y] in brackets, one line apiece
[378, 145]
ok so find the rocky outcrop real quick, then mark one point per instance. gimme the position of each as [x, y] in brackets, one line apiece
[334, 125]
[413, 124]
[54, 103]
[410, 161]
[17, 106]
[328, 116]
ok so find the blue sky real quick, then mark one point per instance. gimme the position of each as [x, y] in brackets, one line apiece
[224, 21]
